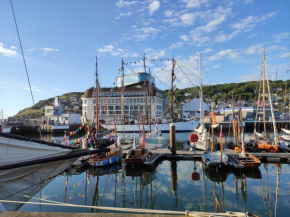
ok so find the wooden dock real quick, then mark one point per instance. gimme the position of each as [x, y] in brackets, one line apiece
[190, 155]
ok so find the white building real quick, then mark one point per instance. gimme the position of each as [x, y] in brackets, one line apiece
[54, 115]
[134, 96]
[191, 108]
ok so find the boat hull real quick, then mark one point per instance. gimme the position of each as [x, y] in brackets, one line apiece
[250, 161]
[212, 160]
[153, 143]
[164, 128]
[136, 157]
[106, 158]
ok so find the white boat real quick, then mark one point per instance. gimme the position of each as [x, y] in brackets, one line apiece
[185, 126]
[153, 143]
[203, 140]
[285, 131]
[18, 149]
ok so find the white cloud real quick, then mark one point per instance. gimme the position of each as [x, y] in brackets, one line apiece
[216, 66]
[145, 32]
[13, 47]
[168, 13]
[250, 77]
[128, 14]
[207, 50]
[6, 51]
[184, 37]
[34, 89]
[285, 55]
[221, 54]
[48, 49]
[279, 37]
[188, 19]
[223, 37]
[176, 45]
[153, 6]
[111, 50]
[155, 54]
[252, 35]
[248, 1]
[250, 22]
[255, 49]
[122, 3]
[195, 3]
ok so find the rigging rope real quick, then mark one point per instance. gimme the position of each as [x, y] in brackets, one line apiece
[22, 51]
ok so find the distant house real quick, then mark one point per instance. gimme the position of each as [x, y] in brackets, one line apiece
[192, 108]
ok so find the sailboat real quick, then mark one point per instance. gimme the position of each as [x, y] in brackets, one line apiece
[214, 159]
[263, 143]
[248, 160]
[284, 140]
[180, 126]
[203, 137]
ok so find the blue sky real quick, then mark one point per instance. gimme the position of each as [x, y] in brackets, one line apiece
[61, 39]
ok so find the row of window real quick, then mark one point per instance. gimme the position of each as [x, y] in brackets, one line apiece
[127, 108]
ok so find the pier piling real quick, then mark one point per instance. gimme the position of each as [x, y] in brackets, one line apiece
[172, 139]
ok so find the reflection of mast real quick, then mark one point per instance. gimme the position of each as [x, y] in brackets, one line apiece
[96, 195]
[237, 191]
[86, 188]
[173, 170]
[65, 191]
[268, 191]
[217, 203]
[244, 192]
[277, 188]
[223, 196]
[116, 183]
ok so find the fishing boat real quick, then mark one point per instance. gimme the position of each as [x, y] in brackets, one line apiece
[106, 158]
[137, 157]
[202, 137]
[214, 159]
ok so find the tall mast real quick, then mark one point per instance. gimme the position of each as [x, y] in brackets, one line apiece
[150, 87]
[264, 114]
[233, 112]
[201, 95]
[122, 93]
[172, 87]
[97, 96]
[145, 89]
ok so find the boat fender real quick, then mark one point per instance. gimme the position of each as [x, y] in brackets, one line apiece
[193, 137]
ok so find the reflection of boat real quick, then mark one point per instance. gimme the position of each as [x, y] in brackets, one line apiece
[253, 173]
[216, 175]
[106, 158]
[29, 180]
[100, 171]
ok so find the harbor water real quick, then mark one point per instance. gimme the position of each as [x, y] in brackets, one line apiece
[171, 185]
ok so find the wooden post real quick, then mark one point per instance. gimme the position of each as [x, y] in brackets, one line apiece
[172, 139]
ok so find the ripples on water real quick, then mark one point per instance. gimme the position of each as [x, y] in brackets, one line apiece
[167, 187]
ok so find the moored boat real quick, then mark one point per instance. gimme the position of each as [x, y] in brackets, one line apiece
[214, 159]
[137, 157]
[106, 158]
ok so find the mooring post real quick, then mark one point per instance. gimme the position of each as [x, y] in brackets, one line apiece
[172, 139]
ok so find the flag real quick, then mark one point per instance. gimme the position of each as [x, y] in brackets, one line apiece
[259, 102]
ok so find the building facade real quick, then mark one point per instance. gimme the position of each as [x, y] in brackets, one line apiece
[136, 93]
[192, 108]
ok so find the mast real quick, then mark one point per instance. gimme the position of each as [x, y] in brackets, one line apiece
[234, 122]
[264, 115]
[201, 95]
[172, 89]
[145, 90]
[150, 88]
[122, 93]
[97, 96]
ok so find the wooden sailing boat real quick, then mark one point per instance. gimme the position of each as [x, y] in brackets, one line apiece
[263, 143]
[248, 160]
[137, 156]
[213, 159]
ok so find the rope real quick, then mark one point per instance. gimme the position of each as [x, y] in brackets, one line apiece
[22, 51]
[187, 213]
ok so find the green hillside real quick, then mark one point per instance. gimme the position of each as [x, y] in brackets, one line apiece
[221, 92]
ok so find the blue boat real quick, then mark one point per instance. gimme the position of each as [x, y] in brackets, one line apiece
[213, 159]
[106, 158]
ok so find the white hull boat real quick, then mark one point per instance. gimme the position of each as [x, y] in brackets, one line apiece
[153, 143]
[17, 151]
[131, 128]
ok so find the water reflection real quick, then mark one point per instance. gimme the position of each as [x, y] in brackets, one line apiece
[172, 185]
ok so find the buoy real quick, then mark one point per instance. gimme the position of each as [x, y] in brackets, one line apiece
[193, 137]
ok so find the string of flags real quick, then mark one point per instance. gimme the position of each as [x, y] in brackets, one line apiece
[77, 130]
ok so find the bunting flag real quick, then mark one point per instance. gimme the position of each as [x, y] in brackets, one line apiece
[77, 130]
[74, 141]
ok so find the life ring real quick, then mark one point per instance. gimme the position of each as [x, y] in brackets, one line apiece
[193, 137]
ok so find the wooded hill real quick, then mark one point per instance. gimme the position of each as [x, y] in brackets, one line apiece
[221, 92]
